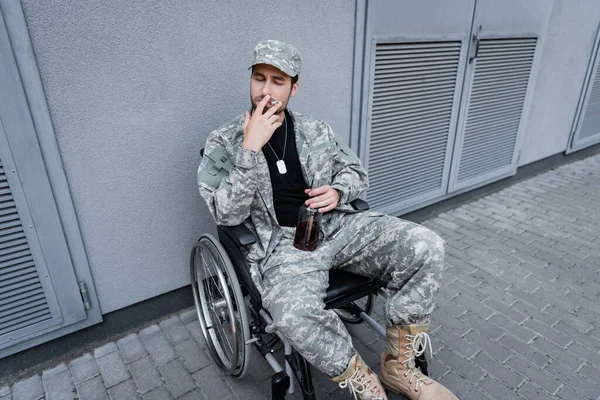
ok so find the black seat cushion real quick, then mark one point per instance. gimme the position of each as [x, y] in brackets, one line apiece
[345, 287]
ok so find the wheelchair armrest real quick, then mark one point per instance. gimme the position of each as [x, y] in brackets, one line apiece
[240, 234]
[359, 204]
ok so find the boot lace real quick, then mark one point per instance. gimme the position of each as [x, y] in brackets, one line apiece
[359, 383]
[415, 347]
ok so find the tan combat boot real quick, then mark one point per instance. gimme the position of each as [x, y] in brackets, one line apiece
[362, 382]
[398, 370]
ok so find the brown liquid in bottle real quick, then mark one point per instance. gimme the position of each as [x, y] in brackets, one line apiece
[307, 235]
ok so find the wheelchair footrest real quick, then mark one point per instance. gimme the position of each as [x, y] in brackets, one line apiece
[301, 369]
[280, 383]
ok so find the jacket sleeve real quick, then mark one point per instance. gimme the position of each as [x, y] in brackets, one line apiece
[227, 182]
[349, 176]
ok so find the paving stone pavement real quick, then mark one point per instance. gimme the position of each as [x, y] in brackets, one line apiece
[517, 316]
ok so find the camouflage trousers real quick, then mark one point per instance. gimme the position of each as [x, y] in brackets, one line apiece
[406, 256]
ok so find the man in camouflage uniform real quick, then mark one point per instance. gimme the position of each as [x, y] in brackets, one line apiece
[244, 180]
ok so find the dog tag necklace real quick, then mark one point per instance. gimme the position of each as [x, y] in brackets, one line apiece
[280, 162]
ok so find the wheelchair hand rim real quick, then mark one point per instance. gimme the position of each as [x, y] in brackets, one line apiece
[209, 319]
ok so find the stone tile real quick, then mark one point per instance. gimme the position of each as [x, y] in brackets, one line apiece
[491, 348]
[160, 393]
[189, 316]
[465, 368]
[112, 368]
[547, 318]
[475, 306]
[212, 383]
[586, 354]
[454, 342]
[528, 298]
[124, 391]
[28, 389]
[131, 348]
[454, 324]
[535, 374]
[479, 324]
[497, 389]
[83, 368]
[92, 389]
[175, 329]
[506, 310]
[196, 394]
[514, 329]
[62, 367]
[499, 371]
[573, 334]
[529, 391]
[591, 372]
[145, 374]
[105, 349]
[574, 380]
[557, 353]
[461, 387]
[177, 378]
[157, 344]
[455, 310]
[196, 331]
[192, 355]
[494, 293]
[567, 393]
[58, 385]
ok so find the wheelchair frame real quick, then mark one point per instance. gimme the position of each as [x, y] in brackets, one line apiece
[223, 306]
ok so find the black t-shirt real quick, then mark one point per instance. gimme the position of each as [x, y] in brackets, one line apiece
[288, 188]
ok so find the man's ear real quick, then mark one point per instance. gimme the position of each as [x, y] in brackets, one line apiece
[294, 89]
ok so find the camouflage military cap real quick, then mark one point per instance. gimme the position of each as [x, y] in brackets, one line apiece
[278, 54]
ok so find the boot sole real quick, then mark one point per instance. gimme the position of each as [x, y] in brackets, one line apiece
[396, 391]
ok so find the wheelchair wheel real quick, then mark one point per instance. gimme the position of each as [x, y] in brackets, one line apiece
[220, 306]
[365, 304]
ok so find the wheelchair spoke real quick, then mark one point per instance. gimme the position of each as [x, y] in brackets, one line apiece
[220, 315]
[225, 335]
[221, 306]
[208, 281]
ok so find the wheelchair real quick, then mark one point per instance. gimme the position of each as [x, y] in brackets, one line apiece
[232, 317]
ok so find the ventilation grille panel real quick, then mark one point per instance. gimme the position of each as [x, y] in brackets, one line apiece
[499, 86]
[591, 117]
[413, 93]
[22, 299]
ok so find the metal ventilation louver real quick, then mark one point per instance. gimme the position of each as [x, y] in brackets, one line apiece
[22, 299]
[413, 93]
[496, 101]
[591, 117]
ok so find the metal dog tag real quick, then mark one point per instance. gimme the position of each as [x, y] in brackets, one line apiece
[281, 167]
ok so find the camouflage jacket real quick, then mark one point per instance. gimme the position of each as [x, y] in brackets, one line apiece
[236, 185]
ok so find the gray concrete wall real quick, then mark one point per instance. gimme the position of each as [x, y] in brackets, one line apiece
[565, 57]
[134, 87]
